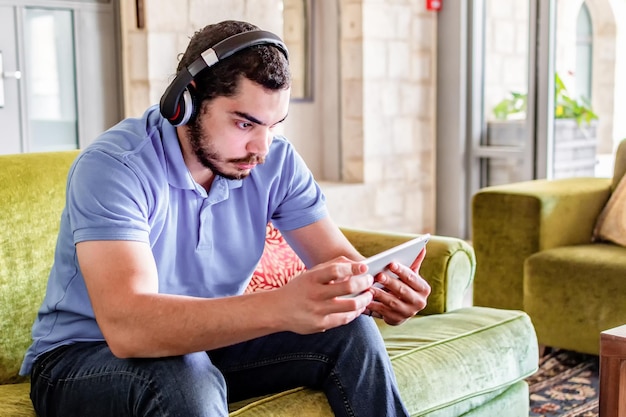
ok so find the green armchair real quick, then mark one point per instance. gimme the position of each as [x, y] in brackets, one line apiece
[535, 252]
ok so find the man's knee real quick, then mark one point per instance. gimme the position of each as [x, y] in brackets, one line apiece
[190, 385]
[362, 331]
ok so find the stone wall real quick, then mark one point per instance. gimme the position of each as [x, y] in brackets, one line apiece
[387, 87]
[388, 118]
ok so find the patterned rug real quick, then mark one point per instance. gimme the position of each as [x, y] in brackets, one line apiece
[566, 385]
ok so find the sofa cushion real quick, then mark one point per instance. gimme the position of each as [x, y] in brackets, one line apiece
[445, 364]
[278, 264]
[573, 293]
[611, 224]
[15, 400]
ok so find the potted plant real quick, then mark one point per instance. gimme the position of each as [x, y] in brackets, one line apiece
[575, 127]
[566, 107]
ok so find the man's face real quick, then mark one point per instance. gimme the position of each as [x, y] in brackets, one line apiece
[232, 134]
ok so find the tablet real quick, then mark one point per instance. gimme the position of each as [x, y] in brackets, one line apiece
[405, 254]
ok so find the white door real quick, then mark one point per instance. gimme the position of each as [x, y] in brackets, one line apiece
[60, 75]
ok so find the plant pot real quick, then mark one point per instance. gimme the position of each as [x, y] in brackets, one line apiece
[574, 150]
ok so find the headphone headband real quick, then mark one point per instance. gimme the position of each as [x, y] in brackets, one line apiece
[174, 102]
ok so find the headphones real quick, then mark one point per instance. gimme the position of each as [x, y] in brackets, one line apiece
[177, 103]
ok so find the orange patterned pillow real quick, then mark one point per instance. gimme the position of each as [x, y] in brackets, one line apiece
[279, 263]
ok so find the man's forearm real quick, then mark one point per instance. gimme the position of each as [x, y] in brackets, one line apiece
[157, 325]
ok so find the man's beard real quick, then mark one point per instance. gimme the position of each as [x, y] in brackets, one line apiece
[202, 147]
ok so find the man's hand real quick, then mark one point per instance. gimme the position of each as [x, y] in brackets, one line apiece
[312, 302]
[401, 297]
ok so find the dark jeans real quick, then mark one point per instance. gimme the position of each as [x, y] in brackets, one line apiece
[349, 363]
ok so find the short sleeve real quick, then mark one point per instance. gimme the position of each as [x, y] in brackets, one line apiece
[106, 200]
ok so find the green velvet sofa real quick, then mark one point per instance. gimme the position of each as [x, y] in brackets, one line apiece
[450, 361]
[534, 251]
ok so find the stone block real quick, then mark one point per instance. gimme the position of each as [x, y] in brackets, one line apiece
[376, 59]
[399, 59]
[351, 22]
[162, 52]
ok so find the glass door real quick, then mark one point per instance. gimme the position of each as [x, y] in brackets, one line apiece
[502, 112]
[589, 48]
[509, 96]
[501, 100]
[505, 145]
[546, 88]
[60, 76]
[52, 119]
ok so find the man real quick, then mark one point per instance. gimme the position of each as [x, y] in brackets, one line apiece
[144, 313]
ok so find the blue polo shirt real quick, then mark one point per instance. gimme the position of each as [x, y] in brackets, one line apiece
[132, 184]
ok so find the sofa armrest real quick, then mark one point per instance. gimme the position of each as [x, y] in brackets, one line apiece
[448, 267]
[511, 222]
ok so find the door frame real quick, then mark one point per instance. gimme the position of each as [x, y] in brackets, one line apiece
[459, 150]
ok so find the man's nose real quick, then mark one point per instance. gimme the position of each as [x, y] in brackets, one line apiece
[260, 143]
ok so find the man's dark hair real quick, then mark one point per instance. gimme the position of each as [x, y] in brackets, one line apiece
[263, 64]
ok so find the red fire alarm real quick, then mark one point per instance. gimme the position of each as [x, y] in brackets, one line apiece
[433, 5]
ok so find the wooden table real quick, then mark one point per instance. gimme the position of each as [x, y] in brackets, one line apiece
[613, 372]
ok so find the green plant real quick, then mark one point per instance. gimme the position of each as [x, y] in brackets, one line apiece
[565, 107]
[511, 107]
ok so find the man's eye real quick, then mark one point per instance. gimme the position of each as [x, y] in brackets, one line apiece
[244, 125]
